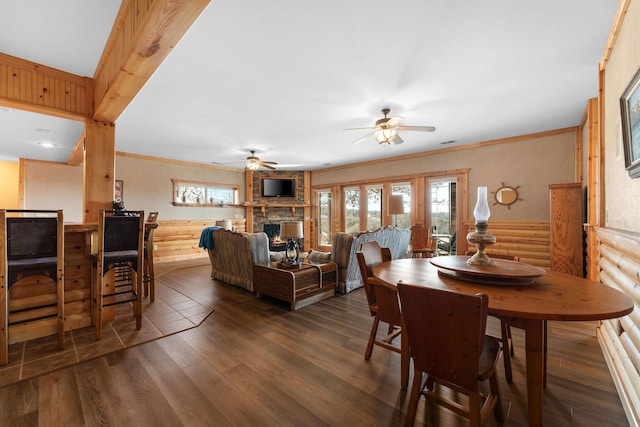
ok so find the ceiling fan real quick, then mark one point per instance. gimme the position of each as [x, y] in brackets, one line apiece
[252, 162]
[386, 129]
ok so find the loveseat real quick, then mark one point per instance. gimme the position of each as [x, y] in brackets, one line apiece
[232, 255]
[345, 245]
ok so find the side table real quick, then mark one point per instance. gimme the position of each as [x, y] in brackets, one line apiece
[299, 286]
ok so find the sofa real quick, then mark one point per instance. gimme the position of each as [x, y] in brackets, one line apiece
[345, 245]
[232, 255]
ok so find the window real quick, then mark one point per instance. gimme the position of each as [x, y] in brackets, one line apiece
[352, 209]
[189, 193]
[403, 220]
[374, 207]
[324, 217]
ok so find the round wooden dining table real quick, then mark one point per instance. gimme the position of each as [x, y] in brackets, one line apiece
[552, 296]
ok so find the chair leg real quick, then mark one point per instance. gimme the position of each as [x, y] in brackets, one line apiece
[474, 410]
[152, 281]
[505, 331]
[137, 303]
[416, 391]
[148, 279]
[372, 337]
[494, 385]
[544, 355]
[404, 359]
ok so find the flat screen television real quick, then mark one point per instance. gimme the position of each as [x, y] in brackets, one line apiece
[278, 187]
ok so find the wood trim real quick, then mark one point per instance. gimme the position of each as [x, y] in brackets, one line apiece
[177, 162]
[592, 183]
[143, 35]
[618, 20]
[451, 149]
[35, 87]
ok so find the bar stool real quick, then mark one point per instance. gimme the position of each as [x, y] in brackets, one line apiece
[149, 276]
[32, 245]
[120, 251]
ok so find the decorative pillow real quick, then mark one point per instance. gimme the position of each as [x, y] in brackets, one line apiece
[277, 256]
[319, 256]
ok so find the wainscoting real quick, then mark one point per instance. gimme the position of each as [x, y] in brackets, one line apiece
[531, 241]
[619, 267]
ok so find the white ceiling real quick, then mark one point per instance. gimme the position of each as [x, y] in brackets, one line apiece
[286, 77]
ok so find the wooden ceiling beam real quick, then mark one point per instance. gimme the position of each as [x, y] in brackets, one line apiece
[144, 33]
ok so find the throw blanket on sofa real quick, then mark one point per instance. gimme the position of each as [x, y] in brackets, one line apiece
[206, 239]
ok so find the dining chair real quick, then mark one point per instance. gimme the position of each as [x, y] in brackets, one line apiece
[32, 244]
[422, 245]
[384, 307]
[448, 345]
[149, 279]
[506, 323]
[120, 248]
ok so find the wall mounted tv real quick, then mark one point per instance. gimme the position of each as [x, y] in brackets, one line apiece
[278, 187]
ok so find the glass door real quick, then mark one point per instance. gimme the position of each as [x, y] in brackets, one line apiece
[444, 213]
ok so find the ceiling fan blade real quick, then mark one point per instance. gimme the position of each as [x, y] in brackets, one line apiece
[270, 163]
[226, 163]
[418, 128]
[369, 128]
[394, 121]
[363, 138]
[268, 166]
[397, 140]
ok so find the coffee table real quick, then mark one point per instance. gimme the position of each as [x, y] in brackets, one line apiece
[300, 286]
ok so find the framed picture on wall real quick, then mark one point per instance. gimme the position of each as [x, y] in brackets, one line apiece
[630, 110]
[119, 191]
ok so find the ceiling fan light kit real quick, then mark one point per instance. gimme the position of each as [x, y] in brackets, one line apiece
[386, 129]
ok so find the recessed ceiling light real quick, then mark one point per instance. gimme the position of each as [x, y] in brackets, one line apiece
[45, 131]
[447, 142]
[46, 144]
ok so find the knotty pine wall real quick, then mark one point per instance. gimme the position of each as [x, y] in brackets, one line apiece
[619, 267]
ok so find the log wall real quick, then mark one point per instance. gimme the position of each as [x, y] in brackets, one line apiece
[619, 267]
[531, 241]
[178, 240]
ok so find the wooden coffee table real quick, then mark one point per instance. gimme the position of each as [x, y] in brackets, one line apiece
[299, 286]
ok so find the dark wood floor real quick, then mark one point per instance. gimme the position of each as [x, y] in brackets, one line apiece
[255, 363]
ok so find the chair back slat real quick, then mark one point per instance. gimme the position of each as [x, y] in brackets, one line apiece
[445, 332]
[388, 304]
[121, 233]
[31, 238]
[420, 237]
[370, 255]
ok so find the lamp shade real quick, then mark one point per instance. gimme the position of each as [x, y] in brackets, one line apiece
[481, 211]
[396, 204]
[291, 230]
[224, 223]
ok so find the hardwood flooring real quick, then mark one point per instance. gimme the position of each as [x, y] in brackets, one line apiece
[252, 362]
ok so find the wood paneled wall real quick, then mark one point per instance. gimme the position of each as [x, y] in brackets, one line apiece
[531, 241]
[619, 267]
[178, 240]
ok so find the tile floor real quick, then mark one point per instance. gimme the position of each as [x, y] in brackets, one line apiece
[171, 312]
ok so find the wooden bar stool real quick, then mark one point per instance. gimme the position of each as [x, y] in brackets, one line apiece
[32, 247]
[120, 251]
[149, 276]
